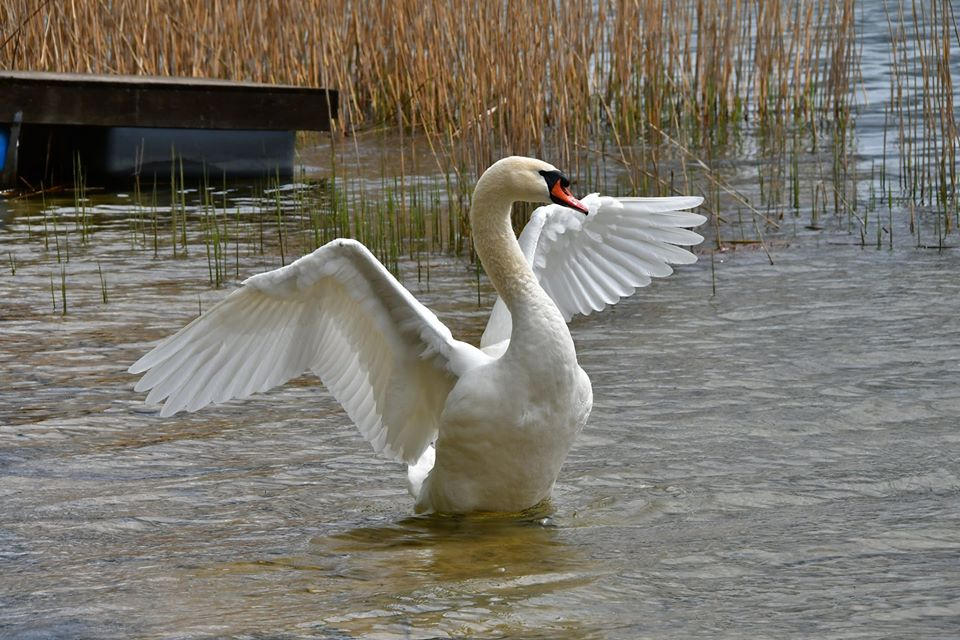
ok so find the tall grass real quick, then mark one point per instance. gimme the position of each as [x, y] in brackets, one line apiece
[638, 86]
[498, 76]
[923, 105]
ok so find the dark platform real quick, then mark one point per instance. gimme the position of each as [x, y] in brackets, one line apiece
[244, 129]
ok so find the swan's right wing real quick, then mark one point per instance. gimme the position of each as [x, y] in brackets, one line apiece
[337, 312]
[585, 263]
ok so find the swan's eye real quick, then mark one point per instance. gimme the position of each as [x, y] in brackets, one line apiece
[554, 177]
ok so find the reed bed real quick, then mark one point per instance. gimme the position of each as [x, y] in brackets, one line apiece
[658, 94]
[922, 104]
[231, 229]
[519, 76]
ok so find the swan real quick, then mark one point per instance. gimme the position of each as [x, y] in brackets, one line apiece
[481, 429]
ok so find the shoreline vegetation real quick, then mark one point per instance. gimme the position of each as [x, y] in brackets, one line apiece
[753, 104]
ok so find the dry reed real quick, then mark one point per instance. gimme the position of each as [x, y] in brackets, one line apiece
[496, 75]
[586, 82]
[922, 103]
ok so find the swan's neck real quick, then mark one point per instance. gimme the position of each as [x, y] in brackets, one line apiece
[499, 250]
[530, 307]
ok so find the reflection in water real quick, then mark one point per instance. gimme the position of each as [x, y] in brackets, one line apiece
[448, 549]
[435, 572]
[418, 577]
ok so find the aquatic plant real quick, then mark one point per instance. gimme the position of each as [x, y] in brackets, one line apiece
[613, 90]
[922, 105]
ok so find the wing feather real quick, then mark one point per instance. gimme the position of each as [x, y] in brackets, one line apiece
[591, 284]
[624, 271]
[585, 264]
[336, 312]
[608, 288]
[578, 294]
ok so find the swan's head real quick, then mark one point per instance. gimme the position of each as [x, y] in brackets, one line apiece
[531, 180]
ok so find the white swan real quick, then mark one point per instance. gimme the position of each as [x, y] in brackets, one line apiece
[503, 416]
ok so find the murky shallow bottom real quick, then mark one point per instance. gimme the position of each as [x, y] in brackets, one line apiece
[779, 459]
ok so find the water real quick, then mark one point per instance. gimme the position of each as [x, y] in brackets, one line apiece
[775, 459]
[772, 452]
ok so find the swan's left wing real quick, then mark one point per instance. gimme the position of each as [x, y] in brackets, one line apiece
[585, 263]
[337, 312]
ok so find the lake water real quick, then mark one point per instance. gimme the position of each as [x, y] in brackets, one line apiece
[772, 453]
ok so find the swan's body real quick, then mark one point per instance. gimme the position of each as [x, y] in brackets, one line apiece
[503, 416]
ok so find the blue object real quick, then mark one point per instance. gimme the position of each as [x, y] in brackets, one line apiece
[4, 141]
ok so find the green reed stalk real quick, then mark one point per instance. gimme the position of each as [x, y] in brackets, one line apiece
[173, 200]
[63, 290]
[103, 283]
[279, 212]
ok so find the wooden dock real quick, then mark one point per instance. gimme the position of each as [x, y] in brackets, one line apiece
[50, 120]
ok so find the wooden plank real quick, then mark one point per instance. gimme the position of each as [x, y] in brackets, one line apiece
[149, 101]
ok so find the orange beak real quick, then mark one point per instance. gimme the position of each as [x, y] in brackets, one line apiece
[561, 195]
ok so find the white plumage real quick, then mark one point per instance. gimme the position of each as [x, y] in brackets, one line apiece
[587, 263]
[502, 418]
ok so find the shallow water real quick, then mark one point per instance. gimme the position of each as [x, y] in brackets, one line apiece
[775, 459]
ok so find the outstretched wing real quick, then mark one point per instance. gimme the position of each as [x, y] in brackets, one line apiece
[585, 263]
[337, 312]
